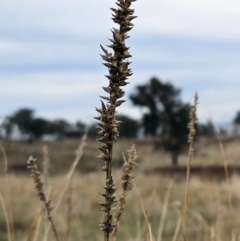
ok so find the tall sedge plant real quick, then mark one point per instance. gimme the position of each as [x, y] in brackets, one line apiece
[118, 72]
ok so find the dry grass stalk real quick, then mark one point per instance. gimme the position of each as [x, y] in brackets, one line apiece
[119, 71]
[235, 235]
[34, 223]
[67, 180]
[46, 167]
[150, 232]
[225, 164]
[138, 229]
[40, 192]
[178, 225]
[127, 185]
[68, 177]
[69, 209]
[212, 233]
[7, 185]
[164, 211]
[35, 237]
[144, 213]
[6, 218]
[78, 227]
[192, 131]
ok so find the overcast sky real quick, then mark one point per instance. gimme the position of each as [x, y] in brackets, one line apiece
[49, 54]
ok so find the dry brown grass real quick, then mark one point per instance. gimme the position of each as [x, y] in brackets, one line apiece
[208, 208]
[208, 200]
[152, 213]
[60, 151]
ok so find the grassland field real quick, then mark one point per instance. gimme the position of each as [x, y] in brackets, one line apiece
[209, 216]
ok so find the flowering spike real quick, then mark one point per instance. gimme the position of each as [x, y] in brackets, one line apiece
[118, 72]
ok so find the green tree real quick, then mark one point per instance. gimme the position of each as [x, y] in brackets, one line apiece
[38, 127]
[7, 126]
[23, 120]
[34, 128]
[167, 116]
[92, 131]
[75, 130]
[30, 127]
[205, 129]
[129, 127]
[236, 119]
[58, 127]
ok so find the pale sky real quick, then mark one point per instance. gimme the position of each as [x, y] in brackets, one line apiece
[49, 54]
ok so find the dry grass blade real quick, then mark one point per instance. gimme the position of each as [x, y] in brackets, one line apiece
[35, 237]
[225, 164]
[164, 211]
[67, 180]
[210, 229]
[46, 166]
[150, 232]
[7, 185]
[6, 218]
[192, 131]
[78, 226]
[235, 236]
[138, 229]
[212, 233]
[144, 213]
[178, 225]
[79, 153]
[34, 223]
[69, 209]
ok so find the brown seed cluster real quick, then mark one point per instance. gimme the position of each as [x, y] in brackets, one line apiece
[127, 184]
[193, 120]
[40, 191]
[128, 169]
[192, 132]
[118, 73]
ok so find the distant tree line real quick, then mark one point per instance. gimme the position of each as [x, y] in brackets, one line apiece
[165, 118]
[30, 127]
